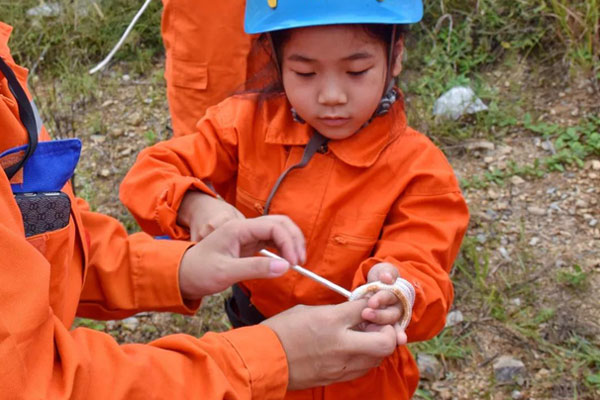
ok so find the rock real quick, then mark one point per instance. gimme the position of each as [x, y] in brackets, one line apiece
[509, 370]
[481, 238]
[596, 165]
[454, 318]
[458, 101]
[130, 323]
[534, 241]
[126, 151]
[126, 78]
[516, 395]
[488, 160]
[104, 172]
[516, 180]
[429, 367]
[107, 103]
[536, 210]
[593, 222]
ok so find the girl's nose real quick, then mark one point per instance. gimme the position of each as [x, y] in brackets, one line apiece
[332, 94]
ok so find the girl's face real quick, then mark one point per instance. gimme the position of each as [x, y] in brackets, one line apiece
[334, 76]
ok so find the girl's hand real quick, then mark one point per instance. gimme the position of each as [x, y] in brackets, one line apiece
[202, 214]
[383, 307]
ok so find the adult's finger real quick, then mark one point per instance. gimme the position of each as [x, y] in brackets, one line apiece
[373, 344]
[288, 238]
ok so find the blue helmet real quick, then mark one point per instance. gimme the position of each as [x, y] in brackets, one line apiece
[270, 15]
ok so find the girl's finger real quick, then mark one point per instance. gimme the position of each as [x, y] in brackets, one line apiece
[386, 316]
[381, 299]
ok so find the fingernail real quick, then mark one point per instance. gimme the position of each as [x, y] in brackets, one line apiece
[278, 266]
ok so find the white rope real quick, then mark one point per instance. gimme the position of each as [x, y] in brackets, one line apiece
[120, 42]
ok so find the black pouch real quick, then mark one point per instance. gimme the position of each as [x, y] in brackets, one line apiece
[43, 211]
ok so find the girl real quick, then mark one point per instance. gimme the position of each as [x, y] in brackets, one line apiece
[375, 199]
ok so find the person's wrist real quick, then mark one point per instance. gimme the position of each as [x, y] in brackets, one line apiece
[187, 207]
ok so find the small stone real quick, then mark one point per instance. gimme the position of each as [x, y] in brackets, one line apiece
[580, 203]
[516, 395]
[481, 238]
[536, 210]
[508, 370]
[504, 253]
[488, 160]
[516, 180]
[492, 194]
[592, 175]
[126, 78]
[135, 119]
[593, 222]
[126, 151]
[534, 241]
[104, 172]
[130, 323]
[429, 367]
[454, 318]
[98, 138]
[505, 149]
[107, 103]
[516, 302]
[117, 132]
[596, 165]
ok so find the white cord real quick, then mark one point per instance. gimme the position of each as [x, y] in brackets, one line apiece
[120, 42]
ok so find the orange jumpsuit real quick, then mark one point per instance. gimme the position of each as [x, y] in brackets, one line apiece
[92, 268]
[384, 194]
[207, 56]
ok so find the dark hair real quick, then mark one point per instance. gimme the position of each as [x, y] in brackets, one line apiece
[266, 79]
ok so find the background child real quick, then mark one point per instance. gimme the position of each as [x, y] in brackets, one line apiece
[374, 198]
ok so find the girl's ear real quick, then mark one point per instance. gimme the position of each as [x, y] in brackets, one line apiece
[398, 51]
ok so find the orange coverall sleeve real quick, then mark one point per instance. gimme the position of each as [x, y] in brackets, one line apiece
[41, 358]
[421, 237]
[154, 187]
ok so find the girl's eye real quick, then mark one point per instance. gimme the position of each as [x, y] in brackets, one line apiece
[358, 73]
[305, 74]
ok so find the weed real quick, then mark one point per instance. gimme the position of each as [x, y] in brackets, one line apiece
[575, 278]
[89, 323]
[445, 345]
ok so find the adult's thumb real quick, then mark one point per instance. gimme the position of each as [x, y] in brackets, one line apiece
[351, 311]
[258, 268]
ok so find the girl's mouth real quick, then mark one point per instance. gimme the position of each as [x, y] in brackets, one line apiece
[334, 121]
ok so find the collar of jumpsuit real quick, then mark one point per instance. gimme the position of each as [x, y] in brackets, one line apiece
[359, 150]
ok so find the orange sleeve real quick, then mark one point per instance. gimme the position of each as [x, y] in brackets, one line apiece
[41, 358]
[422, 236]
[128, 274]
[154, 187]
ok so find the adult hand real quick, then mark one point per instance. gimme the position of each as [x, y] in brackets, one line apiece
[202, 214]
[224, 257]
[323, 348]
